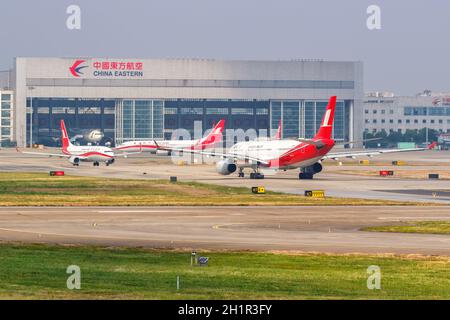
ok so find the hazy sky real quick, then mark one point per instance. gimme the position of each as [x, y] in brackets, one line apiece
[410, 52]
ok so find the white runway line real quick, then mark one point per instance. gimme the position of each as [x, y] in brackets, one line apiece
[414, 218]
[138, 211]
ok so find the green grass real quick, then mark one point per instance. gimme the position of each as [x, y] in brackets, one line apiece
[39, 189]
[39, 272]
[433, 227]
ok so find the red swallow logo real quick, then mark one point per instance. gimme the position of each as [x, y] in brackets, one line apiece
[75, 69]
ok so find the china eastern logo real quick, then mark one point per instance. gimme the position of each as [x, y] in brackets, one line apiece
[76, 68]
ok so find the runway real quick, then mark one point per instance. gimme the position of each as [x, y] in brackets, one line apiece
[318, 229]
[348, 181]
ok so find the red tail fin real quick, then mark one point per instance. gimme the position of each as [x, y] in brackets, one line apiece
[326, 127]
[432, 145]
[214, 137]
[64, 137]
[278, 135]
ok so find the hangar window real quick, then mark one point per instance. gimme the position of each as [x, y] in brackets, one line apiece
[6, 105]
[64, 110]
[43, 110]
[262, 111]
[89, 110]
[6, 97]
[399, 121]
[170, 111]
[216, 110]
[242, 111]
[6, 113]
[191, 110]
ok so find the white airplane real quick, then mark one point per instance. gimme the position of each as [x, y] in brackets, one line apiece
[303, 154]
[77, 154]
[211, 140]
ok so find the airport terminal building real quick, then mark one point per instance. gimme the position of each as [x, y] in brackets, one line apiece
[384, 111]
[139, 99]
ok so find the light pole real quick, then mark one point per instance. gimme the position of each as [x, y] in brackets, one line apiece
[31, 116]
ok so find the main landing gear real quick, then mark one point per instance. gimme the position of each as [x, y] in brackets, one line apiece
[309, 172]
[304, 175]
[254, 175]
[96, 164]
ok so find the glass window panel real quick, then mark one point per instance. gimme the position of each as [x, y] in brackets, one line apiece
[276, 114]
[309, 119]
[290, 118]
[243, 111]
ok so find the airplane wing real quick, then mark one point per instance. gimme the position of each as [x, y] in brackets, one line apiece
[58, 155]
[337, 155]
[213, 154]
[126, 154]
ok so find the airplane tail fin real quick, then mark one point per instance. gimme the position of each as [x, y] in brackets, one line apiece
[278, 134]
[432, 145]
[326, 127]
[215, 136]
[64, 137]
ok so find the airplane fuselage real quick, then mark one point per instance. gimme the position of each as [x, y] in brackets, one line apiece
[91, 153]
[282, 154]
[150, 146]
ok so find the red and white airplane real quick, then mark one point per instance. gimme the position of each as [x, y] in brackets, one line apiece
[213, 138]
[303, 154]
[77, 154]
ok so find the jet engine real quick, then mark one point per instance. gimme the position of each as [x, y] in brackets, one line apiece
[161, 152]
[74, 160]
[226, 167]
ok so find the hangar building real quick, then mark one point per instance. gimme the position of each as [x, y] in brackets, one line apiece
[130, 99]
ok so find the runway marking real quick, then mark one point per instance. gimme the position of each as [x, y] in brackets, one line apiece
[172, 242]
[139, 211]
[414, 218]
[87, 237]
